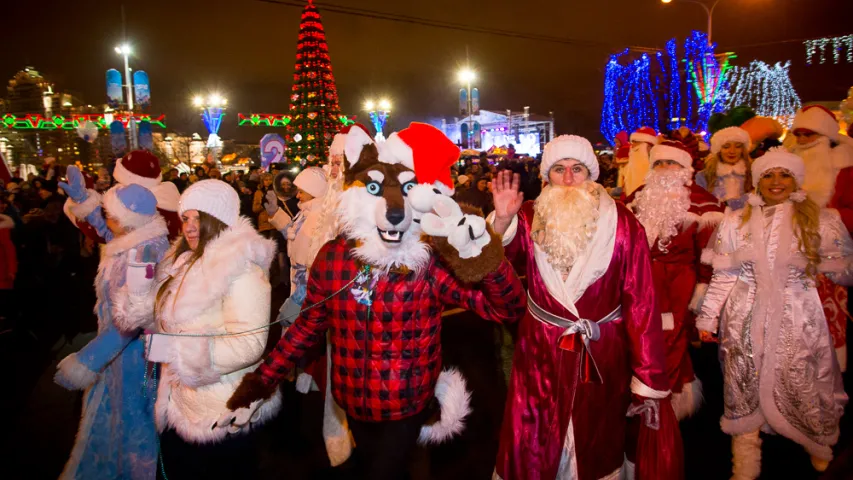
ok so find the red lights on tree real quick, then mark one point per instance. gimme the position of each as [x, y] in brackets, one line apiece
[314, 107]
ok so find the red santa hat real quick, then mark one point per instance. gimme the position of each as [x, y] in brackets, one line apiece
[645, 134]
[622, 137]
[671, 150]
[818, 119]
[624, 152]
[426, 150]
[727, 135]
[139, 167]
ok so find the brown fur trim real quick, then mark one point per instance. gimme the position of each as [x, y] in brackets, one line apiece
[251, 388]
[471, 270]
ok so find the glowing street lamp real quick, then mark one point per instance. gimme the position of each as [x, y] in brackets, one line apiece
[467, 76]
[124, 50]
[379, 113]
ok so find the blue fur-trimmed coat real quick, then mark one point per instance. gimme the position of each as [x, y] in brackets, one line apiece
[116, 437]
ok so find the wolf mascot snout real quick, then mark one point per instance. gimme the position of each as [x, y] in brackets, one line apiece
[379, 289]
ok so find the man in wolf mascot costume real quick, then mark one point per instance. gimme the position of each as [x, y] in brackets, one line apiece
[379, 290]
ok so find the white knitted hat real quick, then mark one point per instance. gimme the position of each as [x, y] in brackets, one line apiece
[569, 147]
[312, 180]
[213, 197]
[729, 134]
[778, 157]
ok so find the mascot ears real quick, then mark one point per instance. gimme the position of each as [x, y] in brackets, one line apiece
[357, 139]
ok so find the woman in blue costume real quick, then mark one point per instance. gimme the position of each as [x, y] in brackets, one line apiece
[116, 437]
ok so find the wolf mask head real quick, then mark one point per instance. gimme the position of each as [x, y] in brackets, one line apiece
[375, 208]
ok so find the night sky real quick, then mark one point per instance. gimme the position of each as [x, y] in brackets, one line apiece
[245, 49]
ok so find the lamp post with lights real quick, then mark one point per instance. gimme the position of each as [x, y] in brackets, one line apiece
[124, 50]
[467, 76]
[212, 111]
[708, 10]
[379, 113]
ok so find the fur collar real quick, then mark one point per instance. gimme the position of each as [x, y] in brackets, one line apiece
[842, 156]
[724, 168]
[233, 253]
[155, 228]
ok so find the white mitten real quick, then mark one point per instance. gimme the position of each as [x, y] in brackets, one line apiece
[235, 420]
[140, 275]
[466, 233]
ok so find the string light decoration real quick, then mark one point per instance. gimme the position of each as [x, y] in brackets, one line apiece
[315, 114]
[696, 88]
[35, 121]
[818, 45]
[765, 88]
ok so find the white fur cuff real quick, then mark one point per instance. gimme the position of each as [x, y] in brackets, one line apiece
[643, 390]
[82, 210]
[280, 220]
[73, 375]
[509, 235]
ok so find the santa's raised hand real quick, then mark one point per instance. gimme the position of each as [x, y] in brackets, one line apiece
[507, 199]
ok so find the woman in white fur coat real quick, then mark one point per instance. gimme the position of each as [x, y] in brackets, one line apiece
[212, 286]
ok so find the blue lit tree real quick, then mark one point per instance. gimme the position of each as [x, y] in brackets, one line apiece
[687, 90]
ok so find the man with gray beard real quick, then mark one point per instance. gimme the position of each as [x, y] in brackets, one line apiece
[590, 349]
[828, 157]
[679, 218]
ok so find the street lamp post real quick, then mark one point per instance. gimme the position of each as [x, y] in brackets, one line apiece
[708, 10]
[466, 76]
[378, 116]
[124, 50]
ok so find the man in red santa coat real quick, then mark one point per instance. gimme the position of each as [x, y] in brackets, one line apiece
[679, 218]
[828, 156]
[638, 166]
[139, 167]
[590, 349]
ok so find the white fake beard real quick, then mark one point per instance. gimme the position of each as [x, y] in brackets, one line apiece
[820, 173]
[565, 220]
[661, 205]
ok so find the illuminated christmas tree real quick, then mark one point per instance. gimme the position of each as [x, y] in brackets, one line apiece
[315, 115]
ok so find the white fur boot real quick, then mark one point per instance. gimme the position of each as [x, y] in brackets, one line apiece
[746, 456]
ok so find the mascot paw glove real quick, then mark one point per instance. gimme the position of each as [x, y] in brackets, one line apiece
[423, 197]
[140, 275]
[76, 186]
[271, 203]
[466, 233]
[238, 419]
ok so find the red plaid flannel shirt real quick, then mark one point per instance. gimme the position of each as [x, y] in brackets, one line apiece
[386, 358]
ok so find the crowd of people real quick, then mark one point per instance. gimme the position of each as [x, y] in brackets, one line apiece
[630, 259]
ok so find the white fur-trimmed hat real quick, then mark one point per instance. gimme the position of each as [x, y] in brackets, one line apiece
[645, 134]
[729, 134]
[131, 205]
[213, 197]
[778, 157]
[818, 119]
[671, 150]
[569, 147]
[312, 180]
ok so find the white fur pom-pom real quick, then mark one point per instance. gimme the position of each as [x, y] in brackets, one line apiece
[755, 200]
[798, 196]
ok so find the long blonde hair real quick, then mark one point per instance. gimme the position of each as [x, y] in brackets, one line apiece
[710, 171]
[209, 228]
[806, 223]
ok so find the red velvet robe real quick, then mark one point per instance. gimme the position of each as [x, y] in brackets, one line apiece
[834, 297]
[546, 391]
[677, 273]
